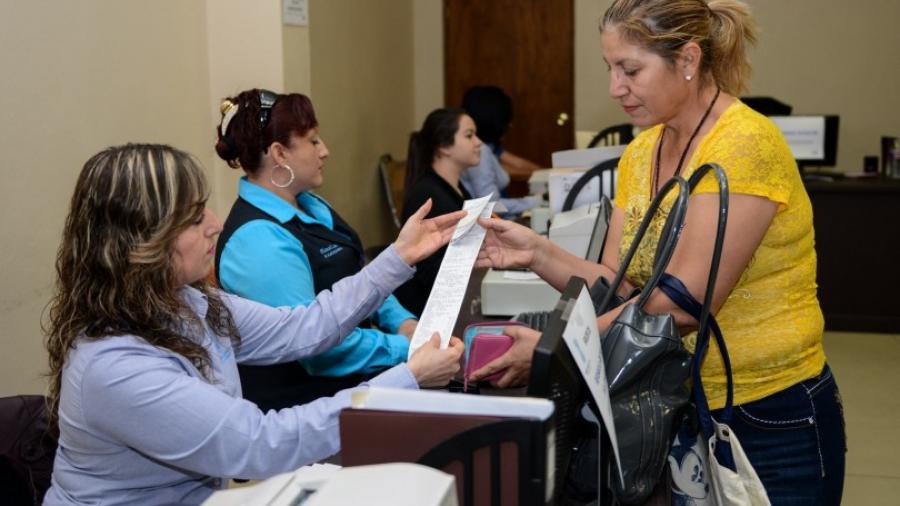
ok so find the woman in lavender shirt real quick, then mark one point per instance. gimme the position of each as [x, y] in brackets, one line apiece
[143, 350]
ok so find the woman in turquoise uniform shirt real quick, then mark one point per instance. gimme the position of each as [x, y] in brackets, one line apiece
[282, 244]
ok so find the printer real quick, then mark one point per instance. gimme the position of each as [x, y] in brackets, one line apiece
[507, 293]
[572, 230]
[568, 162]
[394, 484]
[579, 231]
[568, 166]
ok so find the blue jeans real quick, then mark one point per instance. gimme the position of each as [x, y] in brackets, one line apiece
[795, 440]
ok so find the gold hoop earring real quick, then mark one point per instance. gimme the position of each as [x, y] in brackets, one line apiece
[290, 180]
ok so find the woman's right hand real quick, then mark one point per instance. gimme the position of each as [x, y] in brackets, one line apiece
[508, 245]
[420, 237]
[434, 367]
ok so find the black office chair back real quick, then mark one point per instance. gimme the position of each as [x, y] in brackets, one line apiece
[595, 171]
[613, 136]
[27, 449]
[486, 471]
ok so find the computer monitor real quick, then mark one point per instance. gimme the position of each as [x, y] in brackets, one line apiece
[767, 106]
[812, 139]
[556, 376]
[598, 234]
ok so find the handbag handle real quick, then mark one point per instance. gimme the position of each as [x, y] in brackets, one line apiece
[701, 312]
[705, 319]
[675, 290]
[679, 294]
[668, 239]
[722, 181]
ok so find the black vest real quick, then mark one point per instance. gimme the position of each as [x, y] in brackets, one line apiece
[333, 255]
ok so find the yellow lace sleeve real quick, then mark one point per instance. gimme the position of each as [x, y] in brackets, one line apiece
[754, 155]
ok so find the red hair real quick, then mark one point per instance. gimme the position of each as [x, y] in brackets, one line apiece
[245, 140]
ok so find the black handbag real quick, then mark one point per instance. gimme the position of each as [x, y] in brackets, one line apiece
[647, 365]
[598, 293]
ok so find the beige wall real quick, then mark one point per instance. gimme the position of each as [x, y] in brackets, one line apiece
[80, 77]
[247, 48]
[820, 56]
[362, 88]
[428, 56]
[834, 57]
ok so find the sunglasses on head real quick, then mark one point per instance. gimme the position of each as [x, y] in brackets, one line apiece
[266, 101]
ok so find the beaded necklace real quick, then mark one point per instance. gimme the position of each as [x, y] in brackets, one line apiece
[655, 189]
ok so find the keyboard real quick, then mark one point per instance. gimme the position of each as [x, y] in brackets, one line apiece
[535, 319]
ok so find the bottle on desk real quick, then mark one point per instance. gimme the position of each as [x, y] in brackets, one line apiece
[890, 157]
[895, 159]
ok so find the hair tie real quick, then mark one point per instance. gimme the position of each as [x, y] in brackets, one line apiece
[228, 110]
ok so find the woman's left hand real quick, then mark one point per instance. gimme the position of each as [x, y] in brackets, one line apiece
[420, 237]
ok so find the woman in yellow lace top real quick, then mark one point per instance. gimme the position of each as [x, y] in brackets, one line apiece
[775, 293]
[676, 66]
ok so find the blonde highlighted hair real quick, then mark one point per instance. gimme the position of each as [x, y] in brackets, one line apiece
[115, 268]
[722, 28]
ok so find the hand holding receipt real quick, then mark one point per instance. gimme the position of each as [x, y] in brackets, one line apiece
[446, 296]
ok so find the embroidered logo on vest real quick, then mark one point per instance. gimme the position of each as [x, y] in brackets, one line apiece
[330, 250]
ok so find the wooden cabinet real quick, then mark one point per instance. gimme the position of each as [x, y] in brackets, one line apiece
[857, 225]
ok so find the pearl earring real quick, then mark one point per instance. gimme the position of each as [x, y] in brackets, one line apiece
[688, 78]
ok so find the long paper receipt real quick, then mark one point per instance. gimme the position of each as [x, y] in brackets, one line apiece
[449, 288]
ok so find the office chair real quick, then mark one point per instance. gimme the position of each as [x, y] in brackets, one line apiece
[595, 171]
[393, 176]
[27, 449]
[613, 136]
[487, 470]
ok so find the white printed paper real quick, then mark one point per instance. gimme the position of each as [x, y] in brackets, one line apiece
[421, 401]
[295, 12]
[583, 340]
[449, 288]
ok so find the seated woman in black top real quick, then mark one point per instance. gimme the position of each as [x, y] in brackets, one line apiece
[439, 153]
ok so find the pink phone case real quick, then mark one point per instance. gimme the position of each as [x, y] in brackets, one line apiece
[485, 348]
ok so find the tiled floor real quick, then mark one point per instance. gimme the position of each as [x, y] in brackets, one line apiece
[867, 368]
